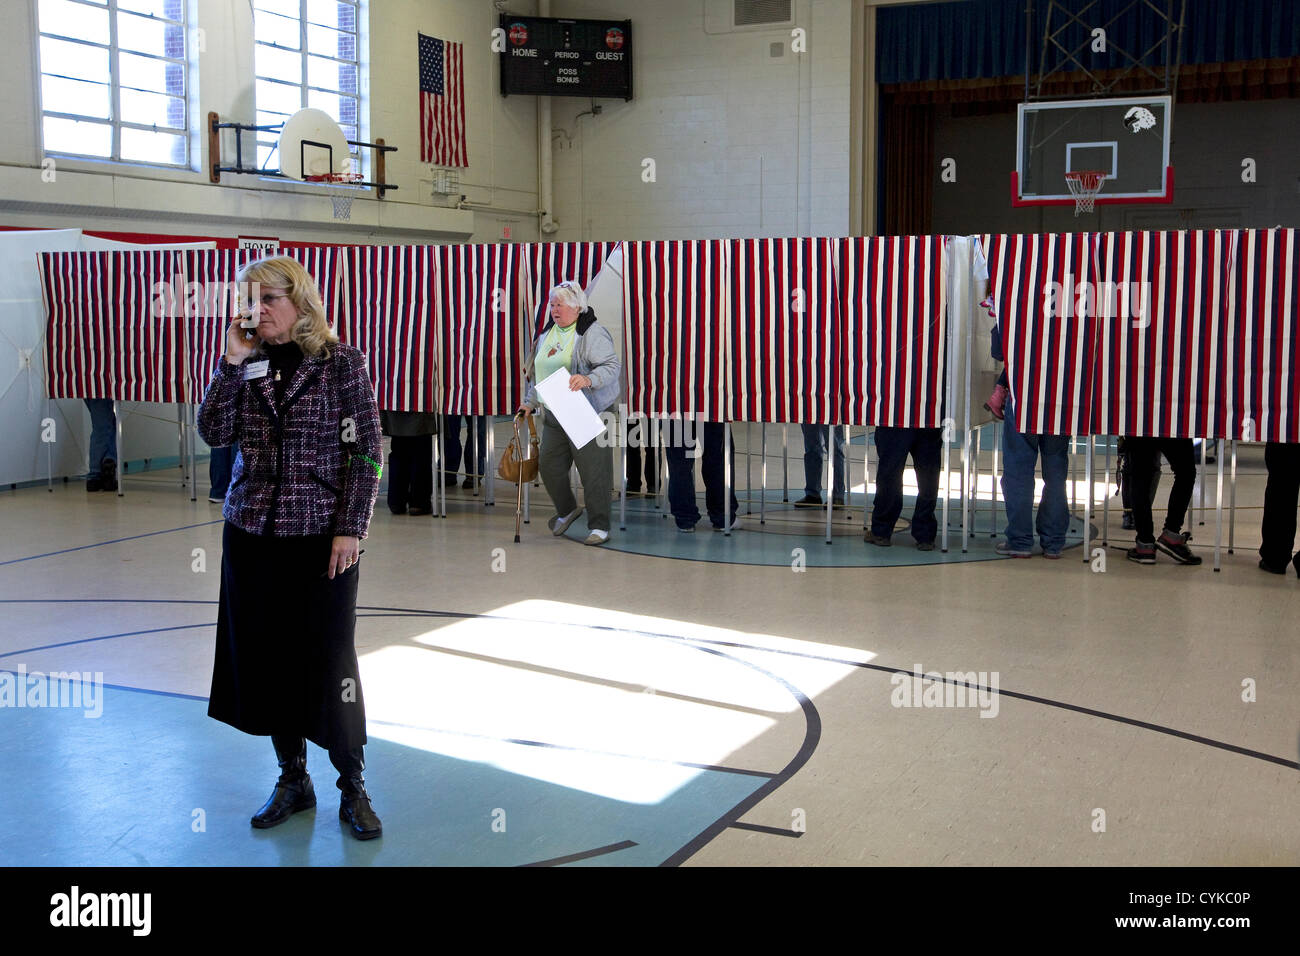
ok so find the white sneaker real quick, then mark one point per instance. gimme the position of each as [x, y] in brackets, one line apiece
[559, 524]
[735, 526]
[597, 537]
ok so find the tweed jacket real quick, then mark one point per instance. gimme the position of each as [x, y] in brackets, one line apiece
[309, 465]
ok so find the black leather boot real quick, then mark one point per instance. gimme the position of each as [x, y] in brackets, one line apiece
[355, 809]
[293, 791]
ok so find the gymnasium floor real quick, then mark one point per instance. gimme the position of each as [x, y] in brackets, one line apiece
[623, 706]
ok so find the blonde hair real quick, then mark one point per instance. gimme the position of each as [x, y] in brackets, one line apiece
[570, 293]
[312, 332]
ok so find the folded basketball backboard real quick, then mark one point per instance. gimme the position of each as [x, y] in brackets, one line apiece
[1126, 139]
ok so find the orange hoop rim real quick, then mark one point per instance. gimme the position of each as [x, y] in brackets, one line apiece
[334, 178]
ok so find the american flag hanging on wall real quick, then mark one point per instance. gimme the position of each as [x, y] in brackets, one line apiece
[442, 103]
[893, 322]
[482, 331]
[784, 331]
[113, 326]
[389, 316]
[1049, 346]
[1261, 368]
[1161, 331]
[675, 317]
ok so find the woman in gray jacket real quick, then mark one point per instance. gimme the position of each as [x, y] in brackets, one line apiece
[572, 340]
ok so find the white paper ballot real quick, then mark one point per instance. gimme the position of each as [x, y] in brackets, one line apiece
[571, 409]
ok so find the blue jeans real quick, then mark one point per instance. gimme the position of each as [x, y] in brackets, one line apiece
[219, 467]
[1021, 452]
[681, 477]
[814, 450]
[103, 433]
[475, 448]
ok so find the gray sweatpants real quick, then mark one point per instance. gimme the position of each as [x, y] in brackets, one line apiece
[595, 468]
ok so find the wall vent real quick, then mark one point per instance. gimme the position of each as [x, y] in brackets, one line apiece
[753, 13]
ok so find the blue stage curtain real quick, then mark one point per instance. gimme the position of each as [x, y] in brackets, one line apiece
[984, 39]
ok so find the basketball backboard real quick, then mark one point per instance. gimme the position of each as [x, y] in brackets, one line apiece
[1126, 138]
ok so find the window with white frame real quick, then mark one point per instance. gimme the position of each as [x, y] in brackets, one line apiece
[305, 54]
[114, 79]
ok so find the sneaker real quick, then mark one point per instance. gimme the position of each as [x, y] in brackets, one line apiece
[997, 401]
[880, 541]
[215, 500]
[1005, 550]
[810, 501]
[1143, 552]
[1052, 555]
[925, 546]
[688, 529]
[1175, 545]
[419, 512]
[735, 526]
[467, 484]
[108, 475]
[597, 537]
[560, 523]
[1127, 523]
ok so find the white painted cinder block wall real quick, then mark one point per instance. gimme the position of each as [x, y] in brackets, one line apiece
[501, 135]
[744, 144]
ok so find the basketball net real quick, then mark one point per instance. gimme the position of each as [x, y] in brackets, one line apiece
[1084, 186]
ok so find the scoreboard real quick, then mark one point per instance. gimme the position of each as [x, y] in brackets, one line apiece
[547, 56]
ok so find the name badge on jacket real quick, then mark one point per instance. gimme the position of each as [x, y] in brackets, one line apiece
[256, 369]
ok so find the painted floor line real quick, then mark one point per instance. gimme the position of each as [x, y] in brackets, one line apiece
[100, 544]
[584, 855]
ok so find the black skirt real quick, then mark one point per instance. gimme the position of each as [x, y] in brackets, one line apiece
[286, 659]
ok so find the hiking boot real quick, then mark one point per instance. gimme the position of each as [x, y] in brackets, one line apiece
[1143, 552]
[1175, 545]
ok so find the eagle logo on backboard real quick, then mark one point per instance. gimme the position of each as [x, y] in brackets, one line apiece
[1139, 118]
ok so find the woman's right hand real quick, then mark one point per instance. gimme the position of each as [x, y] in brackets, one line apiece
[238, 346]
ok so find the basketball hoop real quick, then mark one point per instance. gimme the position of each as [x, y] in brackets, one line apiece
[1084, 185]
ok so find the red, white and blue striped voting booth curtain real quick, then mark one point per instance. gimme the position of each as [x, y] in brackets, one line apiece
[481, 320]
[674, 317]
[1047, 336]
[114, 327]
[550, 263]
[1261, 367]
[389, 304]
[212, 300]
[893, 336]
[1161, 332]
[784, 332]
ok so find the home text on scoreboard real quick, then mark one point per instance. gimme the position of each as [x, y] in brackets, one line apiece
[549, 56]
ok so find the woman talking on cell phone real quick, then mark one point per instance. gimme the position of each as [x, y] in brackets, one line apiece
[302, 408]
